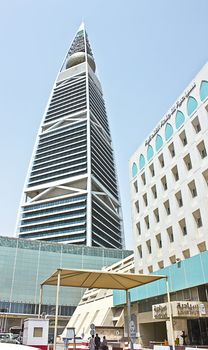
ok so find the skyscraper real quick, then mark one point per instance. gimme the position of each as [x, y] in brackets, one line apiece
[71, 193]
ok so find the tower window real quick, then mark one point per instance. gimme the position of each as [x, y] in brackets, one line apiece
[187, 161]
[202, 149]
[192, 188]
[196, 125]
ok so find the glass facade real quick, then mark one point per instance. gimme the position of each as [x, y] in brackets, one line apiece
[24, 264]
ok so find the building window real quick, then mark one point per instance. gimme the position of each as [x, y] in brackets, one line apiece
[182, 224]
[192, 188]
[149, 248]
[141, 161]
[134, 169]
[202, 246]
[175, 173]
[161, 160]
[168, 131]
[141, 272]
[164, 183]
[150, 152]
[167, 207]
[146, 219]
[191, 105]
[187, 161]
[145, 200]
[152, 170]
[197, 216]
[143, 177]
[196, 125]
[137, 206]
[203, 90]
[172, 259]
[179, 120]
[135, 186]
[202, 149]
[138, 226]
[156, 214]
[186, 253]
[140, 251]
[37, 332]
[150, 268]
[170, 234]
[183, 138]
[158, 142]
[172, 149]
[179, 199]
[205, 174]
[159, 241]
[161, 264]
[154, 191]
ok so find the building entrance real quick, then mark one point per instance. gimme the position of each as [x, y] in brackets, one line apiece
[198, 331]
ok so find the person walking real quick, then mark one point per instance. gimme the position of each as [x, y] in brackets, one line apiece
[97, 342]
[92, 343]
[104, 344]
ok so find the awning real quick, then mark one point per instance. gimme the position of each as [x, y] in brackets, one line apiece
[99, 279]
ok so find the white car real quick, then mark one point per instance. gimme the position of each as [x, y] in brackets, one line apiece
[7, 346]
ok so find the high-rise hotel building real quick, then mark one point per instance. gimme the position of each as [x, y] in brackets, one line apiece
[71, 193]
[169, 183]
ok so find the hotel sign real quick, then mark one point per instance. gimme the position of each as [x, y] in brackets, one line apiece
[168, 115]
[180, 309]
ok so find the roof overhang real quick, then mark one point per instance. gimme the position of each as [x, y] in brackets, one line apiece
[99, 279]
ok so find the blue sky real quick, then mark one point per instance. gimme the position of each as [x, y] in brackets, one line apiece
[146, 52]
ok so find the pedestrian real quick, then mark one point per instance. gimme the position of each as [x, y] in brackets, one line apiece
[104, 344]
[92, 343]
[97, 342]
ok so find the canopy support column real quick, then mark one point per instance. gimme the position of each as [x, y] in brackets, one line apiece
[170, 314]
[40, 300]
[128, 304]
[57, 308]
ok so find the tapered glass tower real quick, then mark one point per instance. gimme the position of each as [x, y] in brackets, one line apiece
[71, 193]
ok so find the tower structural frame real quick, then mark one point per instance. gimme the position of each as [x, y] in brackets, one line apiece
[71, 193]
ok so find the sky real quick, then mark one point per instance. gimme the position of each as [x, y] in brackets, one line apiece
[146, 53]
